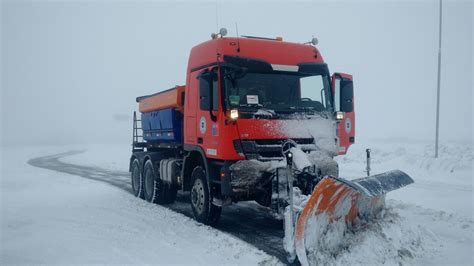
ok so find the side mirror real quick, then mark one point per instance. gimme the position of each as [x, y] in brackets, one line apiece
[343, 89]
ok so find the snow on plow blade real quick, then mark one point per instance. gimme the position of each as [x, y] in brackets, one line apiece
[336, 203]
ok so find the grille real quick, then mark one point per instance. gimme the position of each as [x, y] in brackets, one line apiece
[269, 149]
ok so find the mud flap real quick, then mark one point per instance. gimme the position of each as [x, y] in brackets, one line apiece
[341, 202]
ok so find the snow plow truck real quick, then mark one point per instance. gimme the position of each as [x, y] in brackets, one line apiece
[259, 119]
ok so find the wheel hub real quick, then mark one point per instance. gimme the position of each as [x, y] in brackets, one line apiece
[197, 196]
[149, 182]
[135, 178]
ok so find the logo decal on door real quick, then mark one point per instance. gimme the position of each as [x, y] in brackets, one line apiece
[348, 125]
[202, 125]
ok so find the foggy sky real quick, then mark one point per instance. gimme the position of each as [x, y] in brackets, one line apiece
[71, 71]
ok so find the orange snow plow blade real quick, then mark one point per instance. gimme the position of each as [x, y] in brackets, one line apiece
[336, 200]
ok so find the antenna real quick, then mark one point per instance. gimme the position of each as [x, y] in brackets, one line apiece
[237, 32]
[217, 17]
[439, 77]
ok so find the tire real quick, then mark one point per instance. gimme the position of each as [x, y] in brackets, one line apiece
[136, 179]
[155, 190]
[201, 202]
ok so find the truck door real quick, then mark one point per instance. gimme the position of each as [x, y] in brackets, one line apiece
[208, 112]
[190, 109]
[343, 92]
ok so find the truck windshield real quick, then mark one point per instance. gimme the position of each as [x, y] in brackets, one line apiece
[282, 92]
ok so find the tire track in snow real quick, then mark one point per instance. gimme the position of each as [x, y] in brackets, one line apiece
[246, 221]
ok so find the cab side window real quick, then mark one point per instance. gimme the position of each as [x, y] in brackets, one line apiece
[208, 91]
[215, 94]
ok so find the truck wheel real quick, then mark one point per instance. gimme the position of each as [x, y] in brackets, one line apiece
[201, 202]
[136, 180]
[155, 190]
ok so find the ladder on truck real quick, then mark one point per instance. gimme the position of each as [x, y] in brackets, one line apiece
[138, 144]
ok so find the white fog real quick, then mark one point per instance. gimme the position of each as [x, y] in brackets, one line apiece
[73, 192]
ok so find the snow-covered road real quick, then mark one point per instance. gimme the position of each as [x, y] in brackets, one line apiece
[251, 223]
[67, 216]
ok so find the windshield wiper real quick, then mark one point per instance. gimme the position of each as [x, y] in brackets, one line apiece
[309, 111]
[258, 106]
[302, 108]
[258, 110]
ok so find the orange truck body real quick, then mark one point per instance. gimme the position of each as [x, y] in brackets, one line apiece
[172, 98]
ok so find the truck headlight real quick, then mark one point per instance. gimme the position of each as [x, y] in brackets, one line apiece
[234, 114]
[339, 116]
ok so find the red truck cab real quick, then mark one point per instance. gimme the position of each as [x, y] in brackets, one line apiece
[271, 66]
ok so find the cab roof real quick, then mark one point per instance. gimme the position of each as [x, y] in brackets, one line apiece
[273, 51]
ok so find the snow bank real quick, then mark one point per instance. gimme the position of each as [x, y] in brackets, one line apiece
[55, 218]
[440, 200]
[452, 158]
[444, 183]
[389, 239]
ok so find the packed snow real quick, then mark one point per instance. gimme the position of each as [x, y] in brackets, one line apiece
[428, 222]
[300, 159]
[323, 130]
[50, 217]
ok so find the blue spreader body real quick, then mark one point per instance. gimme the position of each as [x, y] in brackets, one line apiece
[163, 125]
